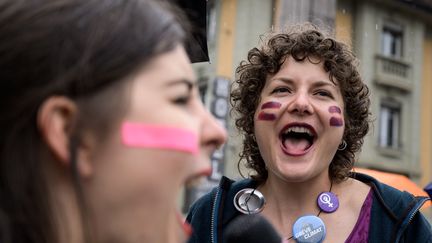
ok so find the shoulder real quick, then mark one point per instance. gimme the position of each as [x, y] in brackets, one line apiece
[201, 206]
[397, 213]
[356, 192]
[418, 229]
[391, 197]
[227, 189]
[199, 217]
[214, 208]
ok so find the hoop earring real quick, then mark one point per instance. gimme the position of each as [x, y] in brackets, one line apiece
[342, 145]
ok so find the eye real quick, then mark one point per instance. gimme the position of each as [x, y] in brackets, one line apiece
[281, 90]
[185, 94]
[182, 100]
[324, 93]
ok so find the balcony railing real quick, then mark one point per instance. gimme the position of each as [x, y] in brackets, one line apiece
[393, 72]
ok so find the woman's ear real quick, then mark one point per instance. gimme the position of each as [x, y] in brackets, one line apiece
[56, 118]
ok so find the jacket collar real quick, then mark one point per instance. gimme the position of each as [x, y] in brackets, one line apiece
[395, 203]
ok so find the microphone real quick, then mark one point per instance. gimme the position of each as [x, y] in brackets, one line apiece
[251, 228]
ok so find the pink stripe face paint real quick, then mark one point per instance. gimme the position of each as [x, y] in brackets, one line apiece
[159, 137]
[336, 122]
[335, 109]
[264, 116]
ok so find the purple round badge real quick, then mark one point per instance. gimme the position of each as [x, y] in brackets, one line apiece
[328, 202]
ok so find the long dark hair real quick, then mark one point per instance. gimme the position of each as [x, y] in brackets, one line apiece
[74, 48]
[301, 42]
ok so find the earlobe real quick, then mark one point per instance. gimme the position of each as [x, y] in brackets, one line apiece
[56, 118]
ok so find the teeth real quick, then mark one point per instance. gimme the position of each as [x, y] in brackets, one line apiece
[299, 130]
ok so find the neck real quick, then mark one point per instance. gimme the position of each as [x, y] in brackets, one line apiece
[286, 201]
[294, 194]
[66, 212]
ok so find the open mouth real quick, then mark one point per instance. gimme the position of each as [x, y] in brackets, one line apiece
[297, 139]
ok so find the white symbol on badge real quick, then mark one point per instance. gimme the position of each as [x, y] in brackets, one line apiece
[326, 199]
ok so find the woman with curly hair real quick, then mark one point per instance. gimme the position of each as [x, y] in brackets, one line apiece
[303, 110]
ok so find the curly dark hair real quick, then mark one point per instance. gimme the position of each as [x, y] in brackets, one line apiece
[302, 42]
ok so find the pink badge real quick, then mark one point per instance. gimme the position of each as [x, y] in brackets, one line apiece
[160, 137]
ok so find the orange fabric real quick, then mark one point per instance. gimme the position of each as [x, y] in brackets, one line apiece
[398, 181]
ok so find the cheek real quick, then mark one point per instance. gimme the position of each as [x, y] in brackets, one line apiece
[130, 179]
[158, 178]
[142, 135]
[263, 116]
[166, 168]
[268, 111]
[170, 145]
[156, 167]
[335, 109]
[336, 119]
[271, 104]
[135, 183]
[336, 122]
[159, 154]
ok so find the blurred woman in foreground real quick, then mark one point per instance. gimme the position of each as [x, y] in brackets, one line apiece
[101, 122]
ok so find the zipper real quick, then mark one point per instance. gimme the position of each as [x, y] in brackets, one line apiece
[412, 214]
[417, 209]
[213, 217]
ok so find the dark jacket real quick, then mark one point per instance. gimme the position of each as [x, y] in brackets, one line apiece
[395, 215]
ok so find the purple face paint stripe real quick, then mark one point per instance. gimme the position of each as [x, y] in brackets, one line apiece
[334, 109]
[336, 122]
[271, 104]
[266, 116]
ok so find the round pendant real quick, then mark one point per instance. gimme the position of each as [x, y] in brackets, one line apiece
[249, 201]
[309, 229]
[328, 202]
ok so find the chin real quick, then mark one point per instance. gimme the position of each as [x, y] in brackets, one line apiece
[176, 233]
[299, 172]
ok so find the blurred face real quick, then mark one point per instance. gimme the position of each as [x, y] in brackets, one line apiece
[164, 140]
[299, 122]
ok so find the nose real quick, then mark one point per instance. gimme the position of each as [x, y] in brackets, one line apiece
[212, 136]
[213, 133]
[300, 104]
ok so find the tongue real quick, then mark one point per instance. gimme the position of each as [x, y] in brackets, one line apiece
[296, 145]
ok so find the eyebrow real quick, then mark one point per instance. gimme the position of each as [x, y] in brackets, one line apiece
[282, 79]
[318, 83]
[190, 84]
[321, 83]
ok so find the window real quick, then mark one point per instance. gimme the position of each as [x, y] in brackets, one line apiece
[389, 125]
[202, 88]
[211, 21]
[392, 40]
